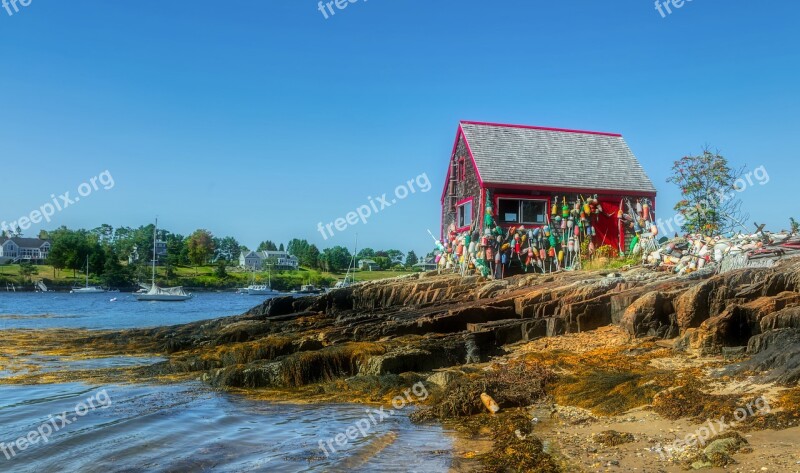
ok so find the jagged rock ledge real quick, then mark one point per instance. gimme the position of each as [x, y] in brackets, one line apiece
[424, 322]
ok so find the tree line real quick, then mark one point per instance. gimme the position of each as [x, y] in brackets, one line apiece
[124, 254]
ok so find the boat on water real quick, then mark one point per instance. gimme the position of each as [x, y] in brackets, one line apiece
[161, 294]
[87, 289]
[262, 289]
[308, 289]
[350, 276]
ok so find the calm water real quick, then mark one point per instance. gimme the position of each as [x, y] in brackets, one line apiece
[183, 427]
[191, 428]
[97, 311]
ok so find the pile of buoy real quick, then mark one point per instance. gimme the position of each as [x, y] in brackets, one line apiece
[694, 252]
[561, 242]
[553, 246]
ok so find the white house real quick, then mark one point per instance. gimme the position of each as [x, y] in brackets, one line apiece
[278, 260]
[368, 265]
[251, 260]
[24, 249]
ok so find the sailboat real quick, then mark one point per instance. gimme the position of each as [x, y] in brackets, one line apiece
[349, 278]
[87, 289]
[262, 289]
[158, 294]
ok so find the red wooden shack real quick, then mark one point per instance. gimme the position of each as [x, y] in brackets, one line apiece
[519, 172]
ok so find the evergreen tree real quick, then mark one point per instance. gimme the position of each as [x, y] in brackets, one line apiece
[411, 258]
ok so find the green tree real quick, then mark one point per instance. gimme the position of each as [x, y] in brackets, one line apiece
[114, 274]
[795, 226]
[27, 270]
[280, 247]
[306, 253]
[395, 255]
[177, 252]
[200, 246]
[366, 253]
[335, 259]
[104, 233]
[68, 249]
[136, 243]
[220, 271]
[227, 248]
[708, 186]
[268, 245]
[411, 258]
[383, 261]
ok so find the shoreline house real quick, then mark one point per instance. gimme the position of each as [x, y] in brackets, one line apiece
[250, 260]
[34, 250]
[516, 176]
[368, 265]
[280, 260]
[277, 260]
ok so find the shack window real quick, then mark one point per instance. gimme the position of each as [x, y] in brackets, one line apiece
[462, 169]
[523, 211]
[464, 214]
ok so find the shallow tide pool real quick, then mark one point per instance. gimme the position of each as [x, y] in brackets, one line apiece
[189, 427]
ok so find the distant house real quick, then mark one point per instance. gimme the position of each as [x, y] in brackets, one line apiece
[251, 260]
[277, 260]
[24, 249]
[422, 266]
[280, 260]
[368, 265]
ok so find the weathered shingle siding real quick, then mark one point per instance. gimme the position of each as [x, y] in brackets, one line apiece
[463, 189]
[538, 157]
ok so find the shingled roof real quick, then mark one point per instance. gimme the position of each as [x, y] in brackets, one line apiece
[24, 242]
[557, 158]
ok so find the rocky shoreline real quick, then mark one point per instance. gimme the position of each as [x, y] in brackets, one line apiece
[580, 352]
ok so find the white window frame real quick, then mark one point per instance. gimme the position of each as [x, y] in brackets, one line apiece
[464, 220]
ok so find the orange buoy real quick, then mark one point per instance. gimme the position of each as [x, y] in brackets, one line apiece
[490, 403]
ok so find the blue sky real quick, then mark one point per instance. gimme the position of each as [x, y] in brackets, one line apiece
[261, 119]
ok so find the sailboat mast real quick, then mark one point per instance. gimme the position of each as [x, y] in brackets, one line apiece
[355, 252]
[155, 237]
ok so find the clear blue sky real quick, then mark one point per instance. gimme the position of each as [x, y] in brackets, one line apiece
[261, 119]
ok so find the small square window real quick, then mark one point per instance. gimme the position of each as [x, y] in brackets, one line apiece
[464, 214]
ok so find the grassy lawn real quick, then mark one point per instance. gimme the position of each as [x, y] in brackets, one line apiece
[375, 275]
[45, 272]
[204, 276]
